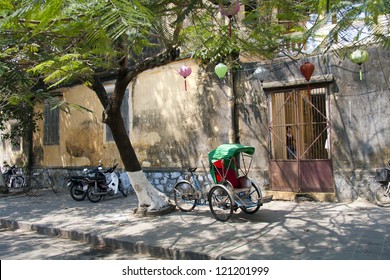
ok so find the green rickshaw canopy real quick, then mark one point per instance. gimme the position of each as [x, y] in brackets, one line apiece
[227, 151]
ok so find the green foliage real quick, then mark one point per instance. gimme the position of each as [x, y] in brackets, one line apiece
[67, 107]
[51, 43]
[355, 24]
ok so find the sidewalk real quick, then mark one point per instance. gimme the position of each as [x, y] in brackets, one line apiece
[278, 231]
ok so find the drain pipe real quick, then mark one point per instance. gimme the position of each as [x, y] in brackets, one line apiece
[232, 104]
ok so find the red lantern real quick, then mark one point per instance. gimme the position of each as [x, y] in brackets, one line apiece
[307, 70]
[185, 71]
[230, 11]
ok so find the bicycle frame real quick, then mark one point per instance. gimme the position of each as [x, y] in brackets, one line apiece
[201, 197]
[44, 180]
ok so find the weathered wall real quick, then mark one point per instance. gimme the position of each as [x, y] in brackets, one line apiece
[82, 141]
[10, 156]
[172, 127]
[360, 122]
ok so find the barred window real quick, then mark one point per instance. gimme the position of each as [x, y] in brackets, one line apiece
[51, 124]
[299, 124]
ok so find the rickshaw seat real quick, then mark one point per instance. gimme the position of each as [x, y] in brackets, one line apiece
[230, 174]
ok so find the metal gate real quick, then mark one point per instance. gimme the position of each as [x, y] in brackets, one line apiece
[299, 131]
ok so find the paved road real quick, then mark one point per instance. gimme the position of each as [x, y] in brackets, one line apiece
[28, 245]
[279, 231]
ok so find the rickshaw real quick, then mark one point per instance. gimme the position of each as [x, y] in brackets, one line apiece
[230, 189]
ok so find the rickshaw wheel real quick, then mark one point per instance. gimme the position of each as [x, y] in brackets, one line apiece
[221, 203]
[184, 194]
[255, 196]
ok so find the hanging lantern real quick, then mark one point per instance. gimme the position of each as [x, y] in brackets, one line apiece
[185, 71]
[221, 70]
[230, 11]
[359, 57]
[260, 74]
[307, 70]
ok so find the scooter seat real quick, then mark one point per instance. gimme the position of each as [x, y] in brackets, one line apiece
[77, 177]
[97, 178]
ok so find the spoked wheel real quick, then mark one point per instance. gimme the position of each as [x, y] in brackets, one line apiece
[77, 192]
[93, 195]
[382, 196]
[221, 203]
[254, 197]
[184, 194]
[32, 187]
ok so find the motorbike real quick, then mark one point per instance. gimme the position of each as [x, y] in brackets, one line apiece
[78, 185]
[104, 183]
[11, 177]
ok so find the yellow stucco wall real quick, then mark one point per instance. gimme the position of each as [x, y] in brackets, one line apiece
[167, 125]
[174, 127]
[82, 134]
[9, 155]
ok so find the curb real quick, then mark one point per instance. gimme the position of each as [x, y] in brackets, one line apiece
[99, 241]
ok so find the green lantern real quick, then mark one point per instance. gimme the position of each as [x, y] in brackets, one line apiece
[221, 70]
[359, 57]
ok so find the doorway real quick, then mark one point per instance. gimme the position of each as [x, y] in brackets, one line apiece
[299, 133]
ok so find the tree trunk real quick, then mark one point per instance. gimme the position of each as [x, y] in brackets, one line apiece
[149, 198]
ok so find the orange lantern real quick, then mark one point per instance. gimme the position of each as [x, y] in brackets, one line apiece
[307, 70]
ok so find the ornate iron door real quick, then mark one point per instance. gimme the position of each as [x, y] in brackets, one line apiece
[299, 133]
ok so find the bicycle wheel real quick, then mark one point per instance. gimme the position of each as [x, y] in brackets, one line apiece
[50, 182]
[32, 187]
[221, 203]
[184, 195]
[382, 196]
[254, 198]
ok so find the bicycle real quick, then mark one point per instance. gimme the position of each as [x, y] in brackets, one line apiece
[382, 192]
[189, 193]
[45, 181]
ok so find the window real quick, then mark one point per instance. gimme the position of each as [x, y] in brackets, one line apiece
[125, 116]
[299, 124]
[51, 124]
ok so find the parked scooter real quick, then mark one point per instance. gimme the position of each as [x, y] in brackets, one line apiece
[106, 182]
[11, 177]
[78, 185]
